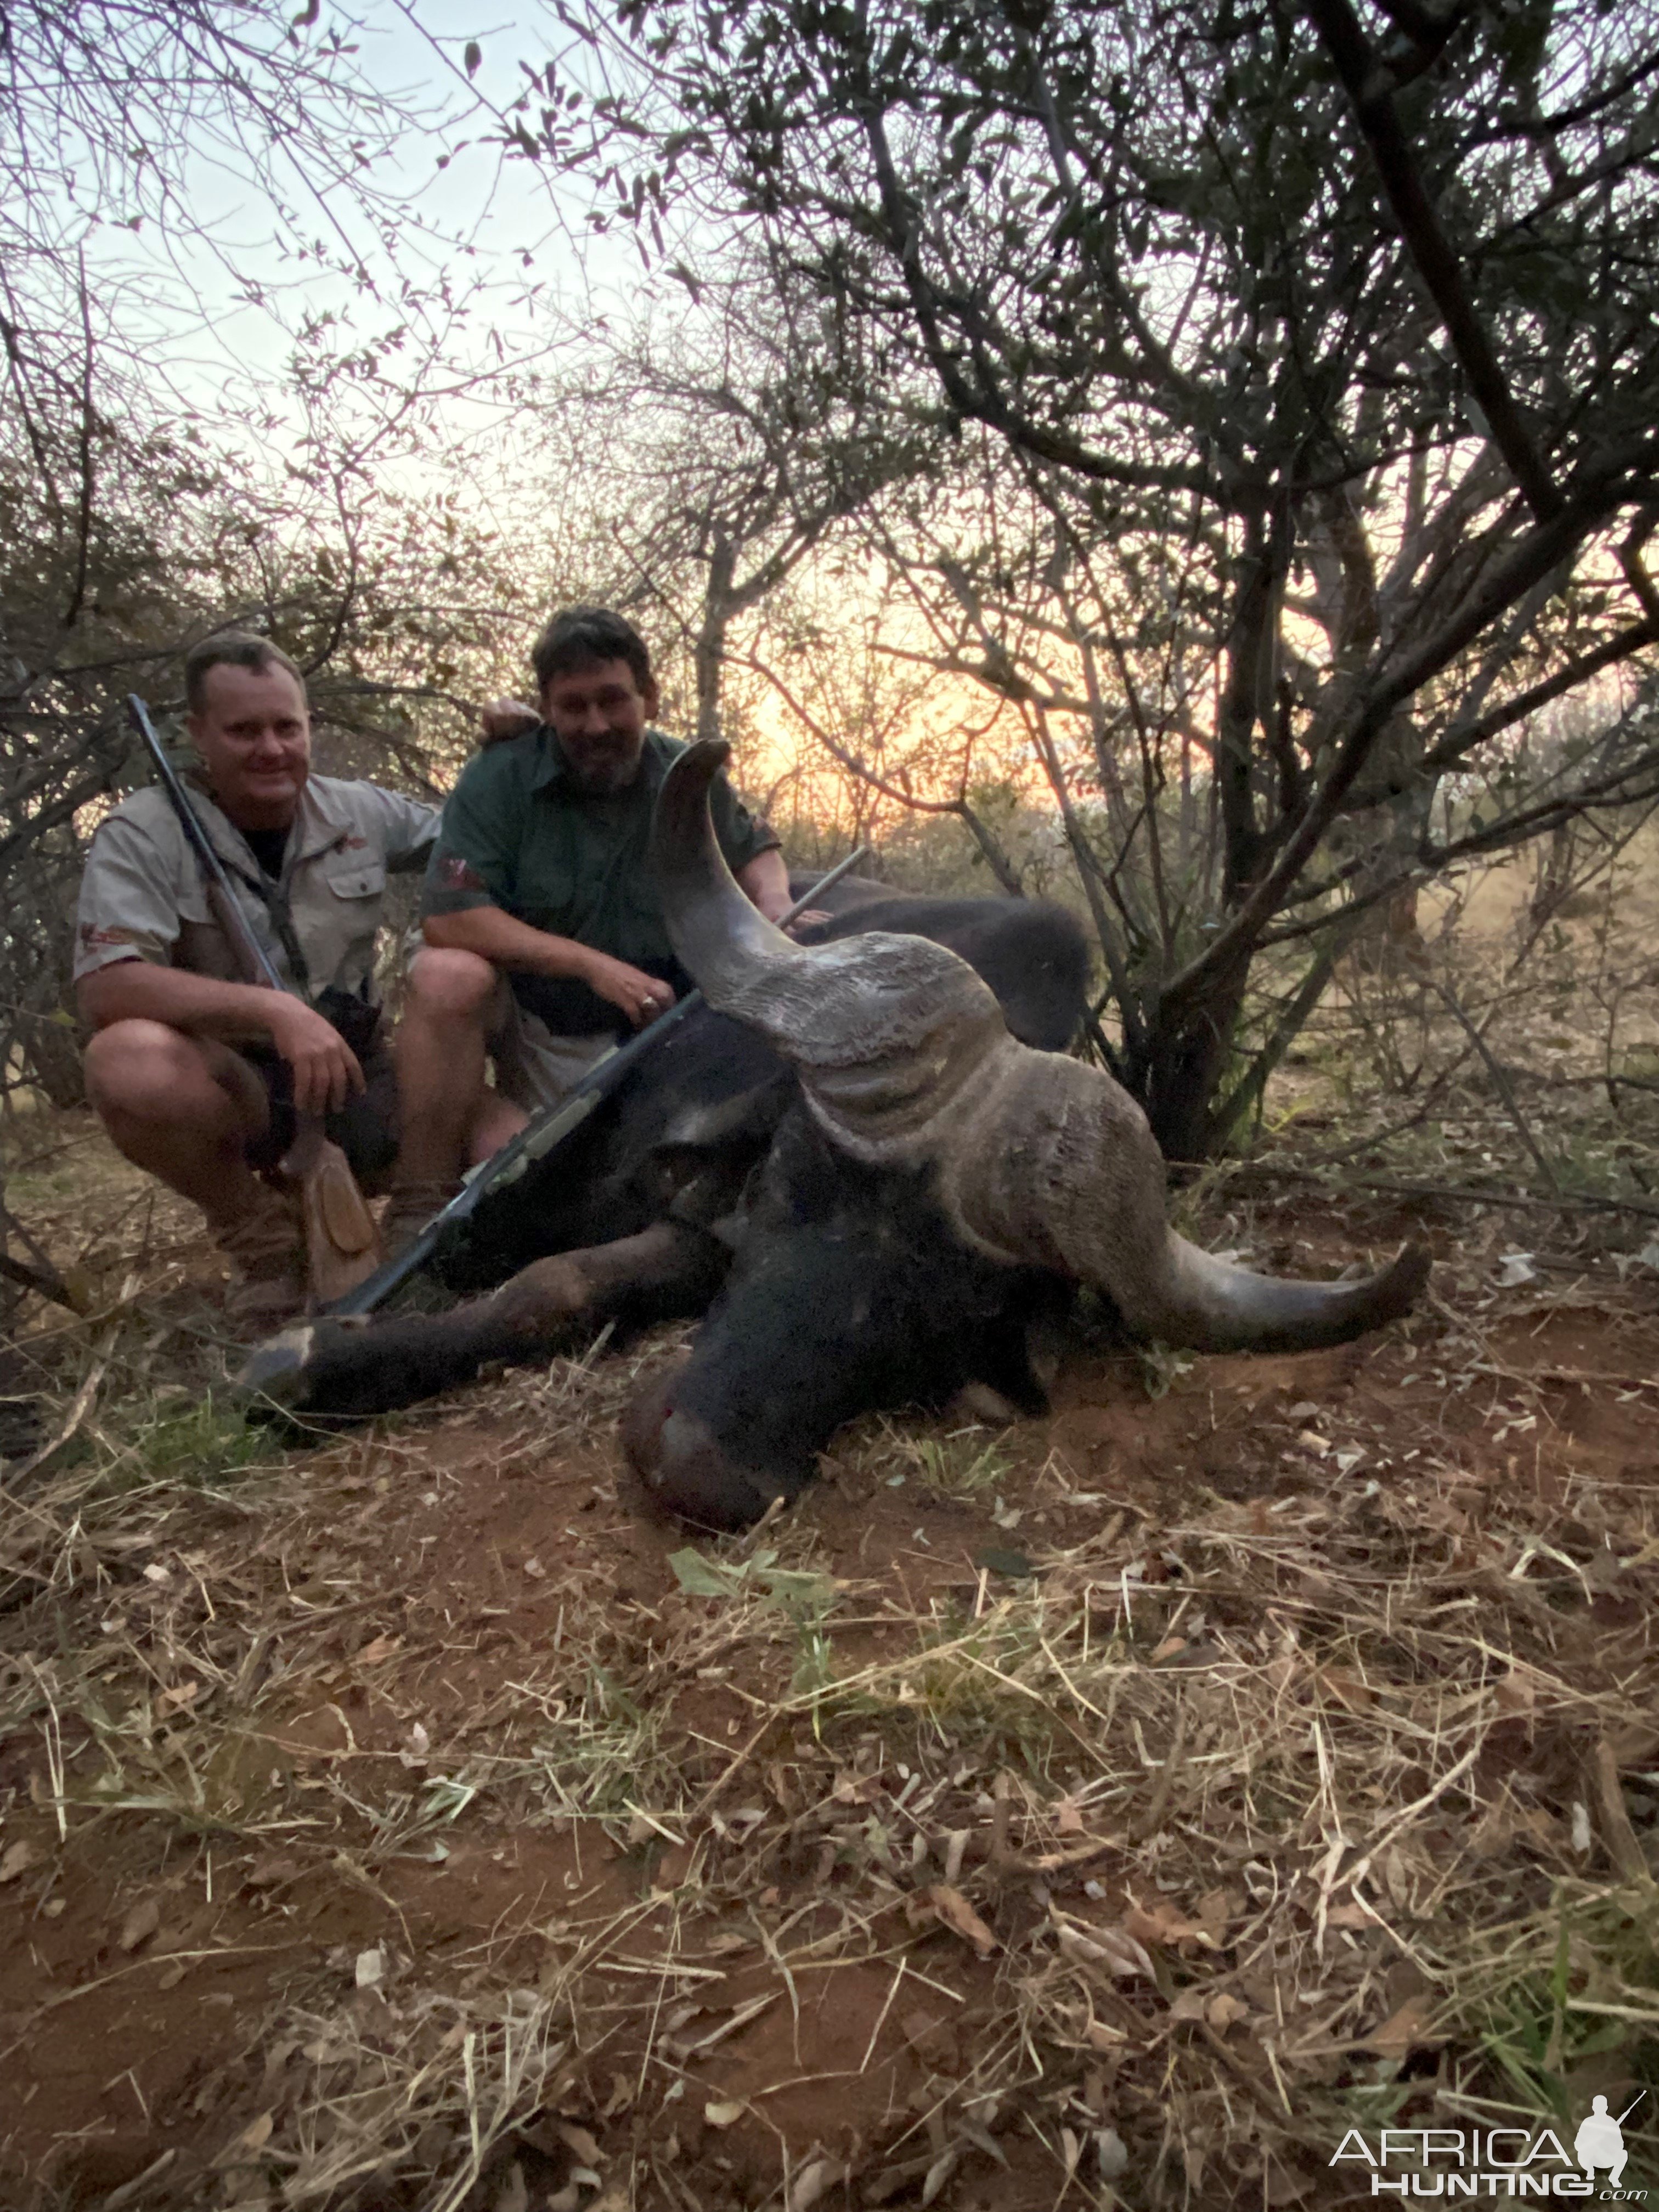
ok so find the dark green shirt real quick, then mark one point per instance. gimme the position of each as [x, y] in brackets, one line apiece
[518, 835]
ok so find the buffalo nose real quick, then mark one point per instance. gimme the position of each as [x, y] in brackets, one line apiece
[682, 1464]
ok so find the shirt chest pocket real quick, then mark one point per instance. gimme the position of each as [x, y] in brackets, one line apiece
[358, 881]
[337, 915]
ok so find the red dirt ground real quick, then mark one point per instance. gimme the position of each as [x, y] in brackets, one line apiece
[138, 1959]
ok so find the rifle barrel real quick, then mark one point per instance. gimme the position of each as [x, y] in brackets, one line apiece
[201, 844]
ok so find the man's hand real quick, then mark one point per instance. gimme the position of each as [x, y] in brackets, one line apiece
[775, 905]
[326, 1069]
[641, 997]
[504, 717]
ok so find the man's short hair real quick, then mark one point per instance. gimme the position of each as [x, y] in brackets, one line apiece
[232, 648]
[583, 637]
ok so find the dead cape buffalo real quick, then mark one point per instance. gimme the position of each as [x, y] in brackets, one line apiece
[872, 1185]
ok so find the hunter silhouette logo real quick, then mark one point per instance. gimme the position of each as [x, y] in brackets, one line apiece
[1599, 2141]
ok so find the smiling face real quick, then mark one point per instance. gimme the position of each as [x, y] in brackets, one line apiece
[253, 734]
[599, 715]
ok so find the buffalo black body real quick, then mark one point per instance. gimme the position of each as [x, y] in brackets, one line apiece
[700, 1110]
[848, 1291]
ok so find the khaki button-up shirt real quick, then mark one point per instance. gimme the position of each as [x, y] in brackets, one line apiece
[143, 898]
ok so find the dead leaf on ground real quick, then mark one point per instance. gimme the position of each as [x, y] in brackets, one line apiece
[513, 2194]
[814, 2181]
[1281, 2186]
[17, 1858]
[954, 1910]
[938, 2173]
[382, 1648]
[1114, 1948]
[140, 1924]
[1518, 1692]
[1216, 1911]
[1160, 1924]
[1349, 1689]
[1636, 1744]
[585, 2146]
[620, 2097]
[1405, 2030]
[253, 2137]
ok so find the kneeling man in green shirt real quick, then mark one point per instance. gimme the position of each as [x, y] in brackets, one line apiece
[544, 941]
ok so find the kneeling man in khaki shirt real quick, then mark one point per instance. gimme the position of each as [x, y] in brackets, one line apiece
[196, 1075]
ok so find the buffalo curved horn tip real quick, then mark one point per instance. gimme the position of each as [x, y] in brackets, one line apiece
[718, 935]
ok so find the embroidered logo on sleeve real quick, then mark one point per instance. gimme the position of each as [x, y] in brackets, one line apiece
[93, 935]
[455, 874]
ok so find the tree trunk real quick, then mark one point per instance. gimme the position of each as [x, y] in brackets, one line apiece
[1176, 1072]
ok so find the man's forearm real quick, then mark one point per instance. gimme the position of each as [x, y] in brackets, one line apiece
[765, 882]
[201, 1006]
[505, 942]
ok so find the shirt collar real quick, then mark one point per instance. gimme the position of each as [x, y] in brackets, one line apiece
[325, 818]
[319, 823]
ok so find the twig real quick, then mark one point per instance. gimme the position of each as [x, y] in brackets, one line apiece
[1152, 1820]
[1505, 1090]
[706, 1800]
[1617, 1833]
[72, 1420]
[751, 1537]
[46, 1284]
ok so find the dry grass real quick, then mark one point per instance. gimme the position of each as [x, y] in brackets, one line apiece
[1285, 1815]
[1021, 1822]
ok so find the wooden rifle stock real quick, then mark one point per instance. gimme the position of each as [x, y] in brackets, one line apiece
[342, 1245]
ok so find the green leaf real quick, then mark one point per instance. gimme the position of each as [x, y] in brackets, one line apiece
[1014, 1564]
[705, 1578]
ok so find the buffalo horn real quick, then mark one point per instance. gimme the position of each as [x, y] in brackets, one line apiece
[1036, 1158]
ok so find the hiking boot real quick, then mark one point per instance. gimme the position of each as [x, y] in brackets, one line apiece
[266, 1250]
[409, 1209]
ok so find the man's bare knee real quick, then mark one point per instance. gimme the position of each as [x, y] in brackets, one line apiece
[451, 984]
[132, 1065]
[146, 1072]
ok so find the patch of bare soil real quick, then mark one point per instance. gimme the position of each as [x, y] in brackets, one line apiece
[1115, 1808]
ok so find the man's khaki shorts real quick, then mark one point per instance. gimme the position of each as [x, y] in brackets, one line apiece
[534, 1067]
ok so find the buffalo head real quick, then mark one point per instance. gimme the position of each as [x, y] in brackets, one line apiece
[974, 1173]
